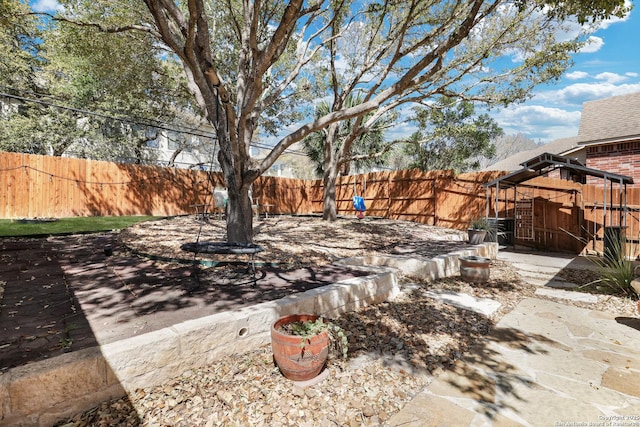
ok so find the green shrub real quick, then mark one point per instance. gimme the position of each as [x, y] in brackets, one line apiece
[309, 328]
[480, 223]
[615, 270]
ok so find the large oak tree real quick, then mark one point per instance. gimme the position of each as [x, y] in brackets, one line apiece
[249, 63]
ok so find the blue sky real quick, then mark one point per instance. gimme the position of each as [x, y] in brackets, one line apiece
[609, 66]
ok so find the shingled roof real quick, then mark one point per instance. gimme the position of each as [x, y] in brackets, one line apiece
[512, 163]
[610, 120]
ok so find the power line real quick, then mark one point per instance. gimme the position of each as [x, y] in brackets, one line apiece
[78, 181]
[140, 121]
[160, 125]
[106, 116]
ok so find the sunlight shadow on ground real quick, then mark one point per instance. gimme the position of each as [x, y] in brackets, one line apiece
[484, 376]
[631, 322]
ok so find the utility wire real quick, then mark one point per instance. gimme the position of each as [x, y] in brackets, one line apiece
[106, 116]
[109, 114]
[160, 125]
[77, 181]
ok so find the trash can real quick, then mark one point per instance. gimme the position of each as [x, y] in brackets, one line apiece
[614, 243]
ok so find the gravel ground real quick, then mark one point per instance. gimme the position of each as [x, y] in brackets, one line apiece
[395, 348]
[299, 241]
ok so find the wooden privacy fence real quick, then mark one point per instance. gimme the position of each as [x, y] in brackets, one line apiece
[435, 198]
[545, 212]
[44, 186]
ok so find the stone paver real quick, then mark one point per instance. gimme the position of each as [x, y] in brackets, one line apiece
[527, 268]
[541, 281]
[556, 260]
[545, 364]
[483, 306]
[568, 295]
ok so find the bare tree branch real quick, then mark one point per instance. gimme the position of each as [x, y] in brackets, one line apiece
[380, 153]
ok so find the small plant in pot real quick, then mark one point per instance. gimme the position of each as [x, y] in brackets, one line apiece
[301, 344]
[478, 230]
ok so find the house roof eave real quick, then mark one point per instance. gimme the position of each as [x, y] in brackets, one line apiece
[606, 141]
[572, 150]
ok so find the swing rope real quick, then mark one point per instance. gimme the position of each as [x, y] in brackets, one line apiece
[209, 196]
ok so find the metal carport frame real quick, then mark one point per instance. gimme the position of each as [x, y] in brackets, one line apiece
[546, 163]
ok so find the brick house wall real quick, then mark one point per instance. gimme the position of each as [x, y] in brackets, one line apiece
[619, 158]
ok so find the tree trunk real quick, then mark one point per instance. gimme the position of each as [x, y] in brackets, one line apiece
[329, 207]
[330, 176]
[239, 215]
[239, 211]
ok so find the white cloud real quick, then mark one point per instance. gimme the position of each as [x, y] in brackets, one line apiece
[577, 75]
[631, 74]
[555, 114]
[614, 20]
[593, 44]
[46, 6]
[530, 117]
[539, 123]
[612, 78]
[400, 131]
[550, 114]
[576, 94]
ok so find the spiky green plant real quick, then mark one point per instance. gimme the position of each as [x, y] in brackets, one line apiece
[615, 270]
[480, 223]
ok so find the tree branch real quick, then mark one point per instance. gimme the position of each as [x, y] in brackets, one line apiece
[97, 26]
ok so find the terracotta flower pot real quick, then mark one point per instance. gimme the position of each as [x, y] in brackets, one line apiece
[298, 362]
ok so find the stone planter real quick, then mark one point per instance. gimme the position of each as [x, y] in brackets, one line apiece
[474, 269]
[635, 284]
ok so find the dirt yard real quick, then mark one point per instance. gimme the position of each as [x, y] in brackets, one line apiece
[395, 348]
[298, 241]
